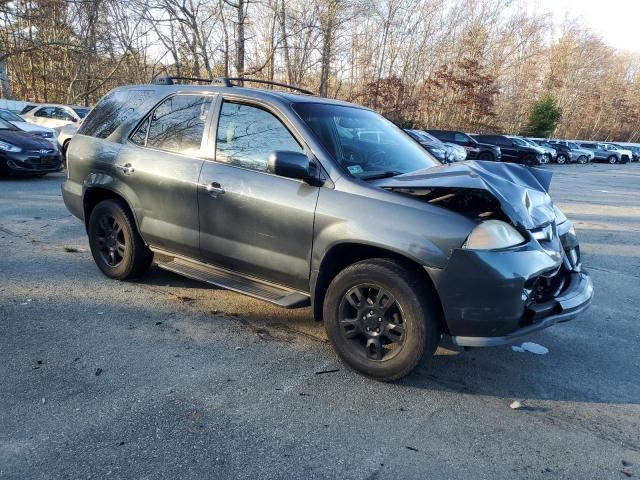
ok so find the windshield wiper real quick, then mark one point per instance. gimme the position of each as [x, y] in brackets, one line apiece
[378, 175]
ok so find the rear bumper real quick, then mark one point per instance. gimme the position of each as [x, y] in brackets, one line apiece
[573, 301]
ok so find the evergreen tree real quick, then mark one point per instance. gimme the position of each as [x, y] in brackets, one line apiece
[543, 118]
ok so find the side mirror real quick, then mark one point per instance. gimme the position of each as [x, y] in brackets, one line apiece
[289, 164]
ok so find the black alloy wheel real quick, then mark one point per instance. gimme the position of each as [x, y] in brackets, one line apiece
[117, 247]
[382, 318]
[112, 243]
[371, 319]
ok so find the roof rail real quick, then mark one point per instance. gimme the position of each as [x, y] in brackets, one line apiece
[227, 82]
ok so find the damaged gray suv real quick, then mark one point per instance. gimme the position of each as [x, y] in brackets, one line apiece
[300, 200]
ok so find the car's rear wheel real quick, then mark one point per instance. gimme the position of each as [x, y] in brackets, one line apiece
[582, 159]
[116, 245]
[561, 159]
[487, 156]
[612, 159]
[381, 318]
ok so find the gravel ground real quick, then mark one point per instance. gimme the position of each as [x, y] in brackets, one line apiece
[169, 378]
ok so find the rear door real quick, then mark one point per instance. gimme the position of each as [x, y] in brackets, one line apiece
[160, 166]
[251, 221]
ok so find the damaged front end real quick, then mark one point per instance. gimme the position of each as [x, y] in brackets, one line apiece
[520, 269]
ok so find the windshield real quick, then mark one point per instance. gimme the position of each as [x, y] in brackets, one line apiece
[4, 125]
[10, 116]
[82, 112]
[363, 142]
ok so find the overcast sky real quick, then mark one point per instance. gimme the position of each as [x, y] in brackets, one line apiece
[616, 21]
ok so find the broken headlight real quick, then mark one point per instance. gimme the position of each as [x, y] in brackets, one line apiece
[493, 234]
[560, 217]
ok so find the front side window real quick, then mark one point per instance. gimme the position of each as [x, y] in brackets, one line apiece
[247, 135]
[460, 138]
[177, 124]
[62, 114]
[46, 112]
[347, 134]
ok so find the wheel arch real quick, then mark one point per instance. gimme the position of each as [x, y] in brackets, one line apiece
[94, 195]
[340, 256]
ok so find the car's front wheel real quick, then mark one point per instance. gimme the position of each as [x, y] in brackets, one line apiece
[582, 160]
[561, 159]
[381, 318]
[612, 159]
[116, 245]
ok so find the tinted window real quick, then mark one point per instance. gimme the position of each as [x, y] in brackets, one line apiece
[80, 111]
[444, 136]
[10, 116]
[46, 112]
[460, 138]
[119, 108]
[247, 135]
[177, 124]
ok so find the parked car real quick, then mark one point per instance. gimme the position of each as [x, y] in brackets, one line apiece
[22, 153]
[635, 150]
[550, 153]
[53, 115]
[28, 107]
[514, 149]
[458, 153]
[65, 134]
[604, 154]
[37, 130]
[274, 195]
[432, 145]
[475, 150]
[626, 153]
[569, 152]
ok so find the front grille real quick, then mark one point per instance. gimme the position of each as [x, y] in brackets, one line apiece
[44, 161]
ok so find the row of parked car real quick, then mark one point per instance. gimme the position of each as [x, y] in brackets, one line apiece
[450, 146]
[32, 142]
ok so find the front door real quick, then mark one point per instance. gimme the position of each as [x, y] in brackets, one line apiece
[160, 165]
[251, 221]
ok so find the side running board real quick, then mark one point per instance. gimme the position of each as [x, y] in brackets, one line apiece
[276, 294]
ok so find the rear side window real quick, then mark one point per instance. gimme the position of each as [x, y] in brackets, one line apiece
[115, 110]
[177, 124]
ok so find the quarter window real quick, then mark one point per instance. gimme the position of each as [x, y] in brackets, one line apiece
[177, 124]
[247, 135]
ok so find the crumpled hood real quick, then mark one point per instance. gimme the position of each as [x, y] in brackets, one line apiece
[521, 191]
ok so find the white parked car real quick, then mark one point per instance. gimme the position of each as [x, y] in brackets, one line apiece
[37, 130]
[53, 116]
[457, 153]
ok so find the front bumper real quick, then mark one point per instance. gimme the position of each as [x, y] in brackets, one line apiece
[31, 163]
[575, 300]
[496, 297]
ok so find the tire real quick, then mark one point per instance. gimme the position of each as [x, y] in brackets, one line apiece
[406, 322]
[612, 160]
[583, 160]
[487, 156]
[116, 245]
[547, 158]
[561, 159]
[65, 147]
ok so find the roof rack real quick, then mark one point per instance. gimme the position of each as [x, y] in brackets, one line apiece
[227, 82]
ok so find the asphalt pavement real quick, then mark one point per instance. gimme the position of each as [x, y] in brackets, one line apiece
[170, 378]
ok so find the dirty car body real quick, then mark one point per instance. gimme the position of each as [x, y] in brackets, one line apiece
[338, 187]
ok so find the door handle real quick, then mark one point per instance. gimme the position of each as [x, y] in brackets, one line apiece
[214, 189]
[127, 168]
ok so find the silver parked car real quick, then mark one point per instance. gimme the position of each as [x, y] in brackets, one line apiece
[55, 115]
